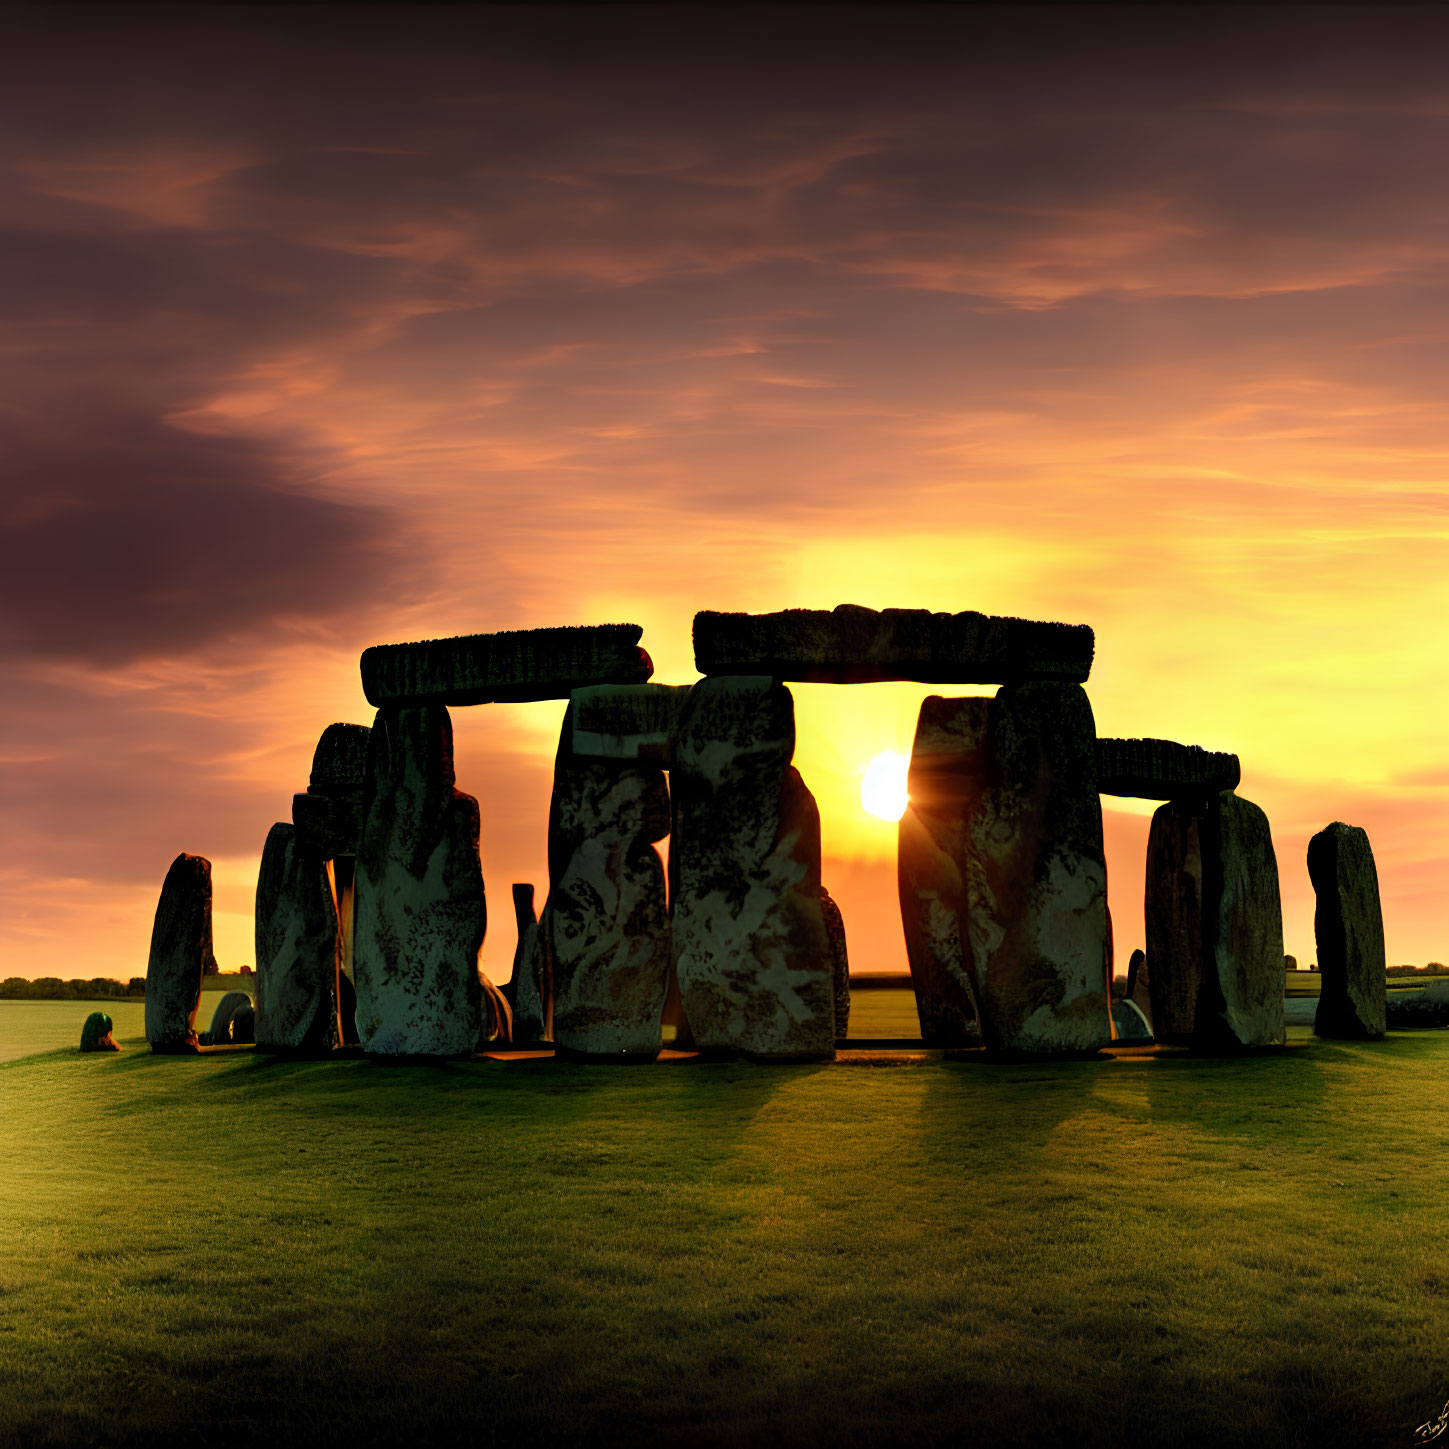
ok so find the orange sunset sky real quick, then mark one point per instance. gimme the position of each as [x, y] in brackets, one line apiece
[324, 328]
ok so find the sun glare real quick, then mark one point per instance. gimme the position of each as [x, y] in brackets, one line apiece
[883, 790]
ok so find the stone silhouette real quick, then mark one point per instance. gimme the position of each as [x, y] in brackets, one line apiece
[530, 988]
[1003, 870]
[228, 1011]
[524, 664]
[298, 948]
[1348, 925]
[1214, 925]
[1162, 769]
[607, 917]
[854, 645]
[1129, 1024]
[839, 962]
[751, 952]
[328, 817]
[420, 907]
[180, 949]
[935, 911]
[96, 1034]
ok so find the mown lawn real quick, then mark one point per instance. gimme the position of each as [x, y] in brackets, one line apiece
[1166, 1251]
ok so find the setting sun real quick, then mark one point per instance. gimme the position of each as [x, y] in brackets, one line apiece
[883, 790]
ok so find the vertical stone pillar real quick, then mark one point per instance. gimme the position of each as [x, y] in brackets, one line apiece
[929, 868]
[527, 988]
[751, 952]
[1003, 874]
[839, 962]
[299, 948]
[1214, 925]
[180, 949]
[1348, 924]
[420, 912]
[607, 919]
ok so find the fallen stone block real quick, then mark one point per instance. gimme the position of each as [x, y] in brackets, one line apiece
[607, 917]
[419, 913]
[180, 951]
[525, 664]
[1214, 925]
[298, 946]
[1162, 769]
[854, 645]
[1348, 924]
[1003, 871]
[753, 960]
[219, 1033]
[96, 1034]
[627, 722]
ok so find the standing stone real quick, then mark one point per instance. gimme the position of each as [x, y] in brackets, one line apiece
[219, 1033]
[1129, 1024]
[607, 919]
[328, 816]
[1138, 991]
[530, 979]
[754, 963]
[1003, 867]
[298, 948]
[420, 909]
[180, 949]
[839, 961]
[1214, 925]
[497, 1016]
[1348, 925]
[929, 856]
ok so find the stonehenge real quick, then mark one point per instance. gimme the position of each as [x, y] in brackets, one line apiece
[1348, 924]
[371, 910]
[180, 951]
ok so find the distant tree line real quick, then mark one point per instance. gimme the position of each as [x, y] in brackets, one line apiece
[1434, 968]
[52, 988]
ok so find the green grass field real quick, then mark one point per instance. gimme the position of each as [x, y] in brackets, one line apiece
[230, 1249]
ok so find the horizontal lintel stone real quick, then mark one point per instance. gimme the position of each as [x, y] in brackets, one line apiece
[519, 665]
[854, 645]
[1162, 769]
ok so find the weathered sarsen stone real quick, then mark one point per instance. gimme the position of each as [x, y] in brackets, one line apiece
[1214, 925]
[751, 951]
[607, 917]
[299, 950]
[420, 908]
[1348, 924]
[853, 645]
[935, 912]
[1035, 874]
[1162, 769]
[523, 664]
[627, 722]
[1003, 874]
[180, 949]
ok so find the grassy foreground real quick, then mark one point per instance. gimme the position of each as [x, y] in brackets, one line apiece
[229, 1249]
